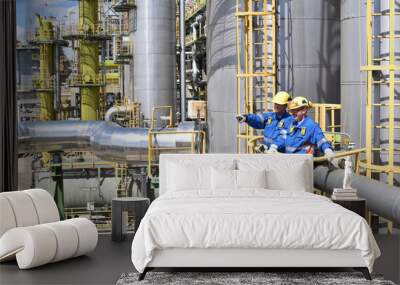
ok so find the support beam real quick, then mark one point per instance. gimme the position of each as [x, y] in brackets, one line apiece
[182, 34]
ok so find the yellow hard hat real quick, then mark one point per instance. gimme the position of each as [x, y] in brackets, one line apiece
[281, 98]
[299, 102]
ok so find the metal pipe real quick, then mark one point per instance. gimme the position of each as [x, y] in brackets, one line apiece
[182, 34]
[107, 140]
[382, 199]
[57, 83]
[110, 112]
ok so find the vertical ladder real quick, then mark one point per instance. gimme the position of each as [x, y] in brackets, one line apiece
[256, 61]
[381, 73]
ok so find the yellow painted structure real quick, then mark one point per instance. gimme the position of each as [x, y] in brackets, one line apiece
[89, 61]
[154, 150]
[255, 86]
[371, 163]
[44, 84]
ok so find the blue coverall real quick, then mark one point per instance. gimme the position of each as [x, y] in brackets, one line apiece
[302, 137]
[270, 122]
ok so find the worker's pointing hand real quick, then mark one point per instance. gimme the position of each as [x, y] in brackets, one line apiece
[241, 118]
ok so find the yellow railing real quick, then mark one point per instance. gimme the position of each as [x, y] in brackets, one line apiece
[132, 118]
[79, 79]
[47, 84]
[194, 7]
[124, 2]
[326, 115]
[90, 29]
[154, 151]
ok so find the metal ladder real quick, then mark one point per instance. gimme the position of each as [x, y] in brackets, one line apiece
[256, 39]
[381, 72]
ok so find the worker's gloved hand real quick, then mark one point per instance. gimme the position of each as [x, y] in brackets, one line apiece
[273, 149]
[329, 154]
[261, 148]
[241, 118]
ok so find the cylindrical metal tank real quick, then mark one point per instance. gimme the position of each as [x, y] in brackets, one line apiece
[352, 80]
[308, 59]
[77, 192]
[155, 55]
[309, 49]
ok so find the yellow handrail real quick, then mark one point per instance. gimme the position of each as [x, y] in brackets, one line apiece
[192, 145]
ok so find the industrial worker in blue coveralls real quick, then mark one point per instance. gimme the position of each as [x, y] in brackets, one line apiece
[302, 134]
[271, 122]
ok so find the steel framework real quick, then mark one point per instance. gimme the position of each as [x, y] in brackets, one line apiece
[381, 71]
[256, 61]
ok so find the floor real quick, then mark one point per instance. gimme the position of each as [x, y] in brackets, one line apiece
[110, 260]
[103, 266]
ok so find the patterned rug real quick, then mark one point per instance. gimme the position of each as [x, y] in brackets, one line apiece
[240, 278]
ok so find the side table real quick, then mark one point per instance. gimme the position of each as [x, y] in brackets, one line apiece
[358, 205]
[136, 205]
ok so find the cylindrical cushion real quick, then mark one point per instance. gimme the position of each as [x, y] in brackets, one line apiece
[34, 246]
[45, 206]
[7, 218]
[87, 234]
[23, 207]
[67, 240]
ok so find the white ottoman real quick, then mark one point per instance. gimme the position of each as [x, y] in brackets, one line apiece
[40, 244]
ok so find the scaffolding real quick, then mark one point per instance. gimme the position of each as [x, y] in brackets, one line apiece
[381, 73]
[256, 62]
[129, 117]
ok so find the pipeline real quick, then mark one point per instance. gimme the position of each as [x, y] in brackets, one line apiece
[382, 199]
[110, 112]
[107, 140]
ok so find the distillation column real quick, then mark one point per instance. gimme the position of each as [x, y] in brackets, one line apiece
[89, 60]
[44, 86]
[155, 55]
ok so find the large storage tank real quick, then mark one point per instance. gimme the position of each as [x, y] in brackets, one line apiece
[308, 59]
[352, 80]
[154, 54]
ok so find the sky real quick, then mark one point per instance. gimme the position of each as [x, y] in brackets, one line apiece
[26, 9]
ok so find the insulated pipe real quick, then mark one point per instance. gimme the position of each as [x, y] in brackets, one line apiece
[107, 140]
[182, 34]
[382, 199]
[110, 112]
